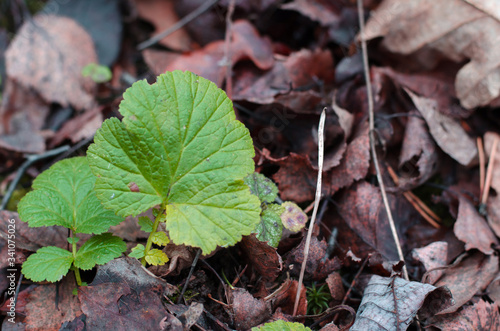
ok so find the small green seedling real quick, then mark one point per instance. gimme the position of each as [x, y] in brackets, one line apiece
[317, 299]
[179, 150]
[98, 73]
[281, 325]
[64, 195]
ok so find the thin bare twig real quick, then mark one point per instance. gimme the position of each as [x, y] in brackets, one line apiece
[179, 24]
[30, 159]
[482, 164]
[366, 70]
[193, 265]
[489, 172]
[321, 129]
[226, 61]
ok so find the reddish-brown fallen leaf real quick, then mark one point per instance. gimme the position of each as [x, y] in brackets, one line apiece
[208, 61]
[432, 256]
[481, 316]
[246, 310]
[466, 33]
[354, 166]
[317, 10]
[285, 298]
[316, 267]
[22, 114]
[336, 287]
[57, 298]
[493, 201]
[472, 275]
[302, 69]
[392, 303]
[162, 15]
[447, 132]
[124, 295]
[80, 127]
[472, 229]
[263, 257]
[493, 290]
[180, 257]
[418, 158]
[32, 239]
[48, 55]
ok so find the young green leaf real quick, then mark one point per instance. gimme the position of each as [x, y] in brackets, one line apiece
[160, 238]
[146, 224]
[156, 257]
[262, 187]
[99, 250]
[137, 251]
[281, 325]
[179, 146]
[270, 227]
[48, 263]
[63, 195]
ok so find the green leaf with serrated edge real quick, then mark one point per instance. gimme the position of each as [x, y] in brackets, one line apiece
[293, 217]
[137, 251]
[73, 240]
[270, 228]
[156, 257]
[160, 238]
[99, 249]
[281, 325]
[146, 224]
[64, 195]
[179, 145]
[48, 263]
[262, 187]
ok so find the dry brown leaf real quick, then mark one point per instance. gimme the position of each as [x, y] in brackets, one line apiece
[48, 55]
[472, 275]
[432, 256]
[162, 15]
[446, 131]
[456, 30]
[246, 310]
[481, 316]
[472, 229]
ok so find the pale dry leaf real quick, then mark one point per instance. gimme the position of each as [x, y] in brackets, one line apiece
[446, 131]
[455, 29]
[48, 55]
[432, 256]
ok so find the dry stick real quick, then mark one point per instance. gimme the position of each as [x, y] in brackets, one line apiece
[181, 296]
[489, 173]
[482, 164]
[179, 24]
[321, 129]
[226, 61]
[372, 137]
[30, 159]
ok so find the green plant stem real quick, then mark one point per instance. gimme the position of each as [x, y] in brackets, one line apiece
[149, 243]
[75, 269]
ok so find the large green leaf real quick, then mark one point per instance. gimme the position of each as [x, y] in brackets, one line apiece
[48, 263]
[179, 146]
[64, 195]
[281, 325]
[99, 250]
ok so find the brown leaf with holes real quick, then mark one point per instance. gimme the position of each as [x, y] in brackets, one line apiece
[48, 55]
